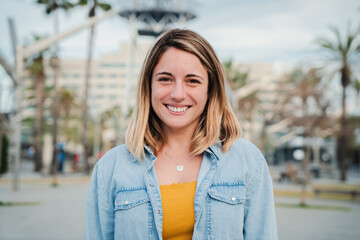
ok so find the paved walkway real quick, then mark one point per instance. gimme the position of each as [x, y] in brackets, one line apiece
[58, 213]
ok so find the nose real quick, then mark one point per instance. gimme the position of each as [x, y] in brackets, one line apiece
[178, 91]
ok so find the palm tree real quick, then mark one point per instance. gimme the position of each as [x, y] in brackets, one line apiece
[305, 105]
[51, 7]
[92, 13]
[69, 108]
[35, 67]
[248, 105]
[344, 52]
[235, 77]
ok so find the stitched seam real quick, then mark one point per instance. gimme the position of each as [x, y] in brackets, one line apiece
[130, 189]
[225, 184]
[208, 201]
[131, 205]
[225, 200]
[149, 222]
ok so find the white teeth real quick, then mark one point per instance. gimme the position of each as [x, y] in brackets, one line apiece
[177, 109]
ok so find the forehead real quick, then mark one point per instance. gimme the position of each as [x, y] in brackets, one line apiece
[177, 60]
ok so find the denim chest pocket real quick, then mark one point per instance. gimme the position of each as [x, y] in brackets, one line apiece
[130, 198]
[225, 210]
[229, 193]
[132, 211]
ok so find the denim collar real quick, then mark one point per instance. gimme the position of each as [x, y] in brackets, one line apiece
[214, 149]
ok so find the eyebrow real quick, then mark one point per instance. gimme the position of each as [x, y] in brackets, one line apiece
[164, 73]
[187, 75]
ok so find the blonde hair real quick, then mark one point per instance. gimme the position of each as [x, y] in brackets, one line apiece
[217, 122]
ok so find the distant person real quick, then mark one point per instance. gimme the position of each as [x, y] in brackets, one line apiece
[184, 173]
[61, 159]
[76, 160]
[30, 151]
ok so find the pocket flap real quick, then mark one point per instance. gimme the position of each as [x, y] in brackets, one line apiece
[231, 193]
[130, 198]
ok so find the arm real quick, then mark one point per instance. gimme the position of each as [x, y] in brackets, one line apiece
[99, 212]
[260, 221]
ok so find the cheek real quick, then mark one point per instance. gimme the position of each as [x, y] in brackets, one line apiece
[155, 99]
[204, 97]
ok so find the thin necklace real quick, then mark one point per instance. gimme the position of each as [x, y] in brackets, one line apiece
[179, 166]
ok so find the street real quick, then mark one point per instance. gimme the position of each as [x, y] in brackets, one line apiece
[51, 213]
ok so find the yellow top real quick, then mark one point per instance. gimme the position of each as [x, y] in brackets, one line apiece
[178, 210]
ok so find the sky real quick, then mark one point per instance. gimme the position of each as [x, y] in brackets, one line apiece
[277, 31]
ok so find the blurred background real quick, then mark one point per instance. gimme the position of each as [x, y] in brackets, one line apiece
[68, 77]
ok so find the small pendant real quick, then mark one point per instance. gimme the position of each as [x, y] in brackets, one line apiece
[180, 168]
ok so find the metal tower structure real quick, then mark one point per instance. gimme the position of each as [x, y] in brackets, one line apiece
[157, 16]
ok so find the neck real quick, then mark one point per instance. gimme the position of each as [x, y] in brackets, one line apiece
[178, 141]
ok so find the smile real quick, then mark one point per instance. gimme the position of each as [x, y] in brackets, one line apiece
[177, 109]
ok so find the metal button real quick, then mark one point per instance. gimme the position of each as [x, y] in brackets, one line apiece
[233, 199]
[159, 211]
[126, 202]
[151, 185]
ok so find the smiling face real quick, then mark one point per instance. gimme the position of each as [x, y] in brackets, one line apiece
[179, 87]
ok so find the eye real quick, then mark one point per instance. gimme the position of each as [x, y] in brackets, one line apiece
[193, 81]
[164, 79]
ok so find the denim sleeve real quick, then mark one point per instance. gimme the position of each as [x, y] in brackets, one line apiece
[260, 220]
[99, 213]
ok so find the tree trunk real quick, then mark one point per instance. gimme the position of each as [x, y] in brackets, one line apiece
[342, 139]
[39, 119]
[55, 117]
[54, 163]
[263, 136]
[305, 180]
[2, 120]
[85, 103]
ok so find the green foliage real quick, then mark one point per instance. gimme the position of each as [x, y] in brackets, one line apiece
[311, 206]
[4, 155]
[357, 85]
[344, 50]
[236, 78]
[69, 113]
[53, 5]
[353, 122]
[94, 5]
[16, 204]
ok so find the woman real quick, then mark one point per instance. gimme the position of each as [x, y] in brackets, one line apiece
[184, 173]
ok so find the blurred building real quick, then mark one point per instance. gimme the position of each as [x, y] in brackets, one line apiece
[112, 85]
[257, 100]
[110, 76]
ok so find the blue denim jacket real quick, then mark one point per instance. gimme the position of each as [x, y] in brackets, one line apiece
[233, 200]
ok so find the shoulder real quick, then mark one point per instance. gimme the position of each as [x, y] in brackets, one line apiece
[245, 147]
[247, 152]
[113, 157]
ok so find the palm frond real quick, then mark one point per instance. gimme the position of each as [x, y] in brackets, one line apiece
[82, 3]
[325, 43]
[356, 83]
[104, 6]
[336, 32]
[42, 1]
[66, 6]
